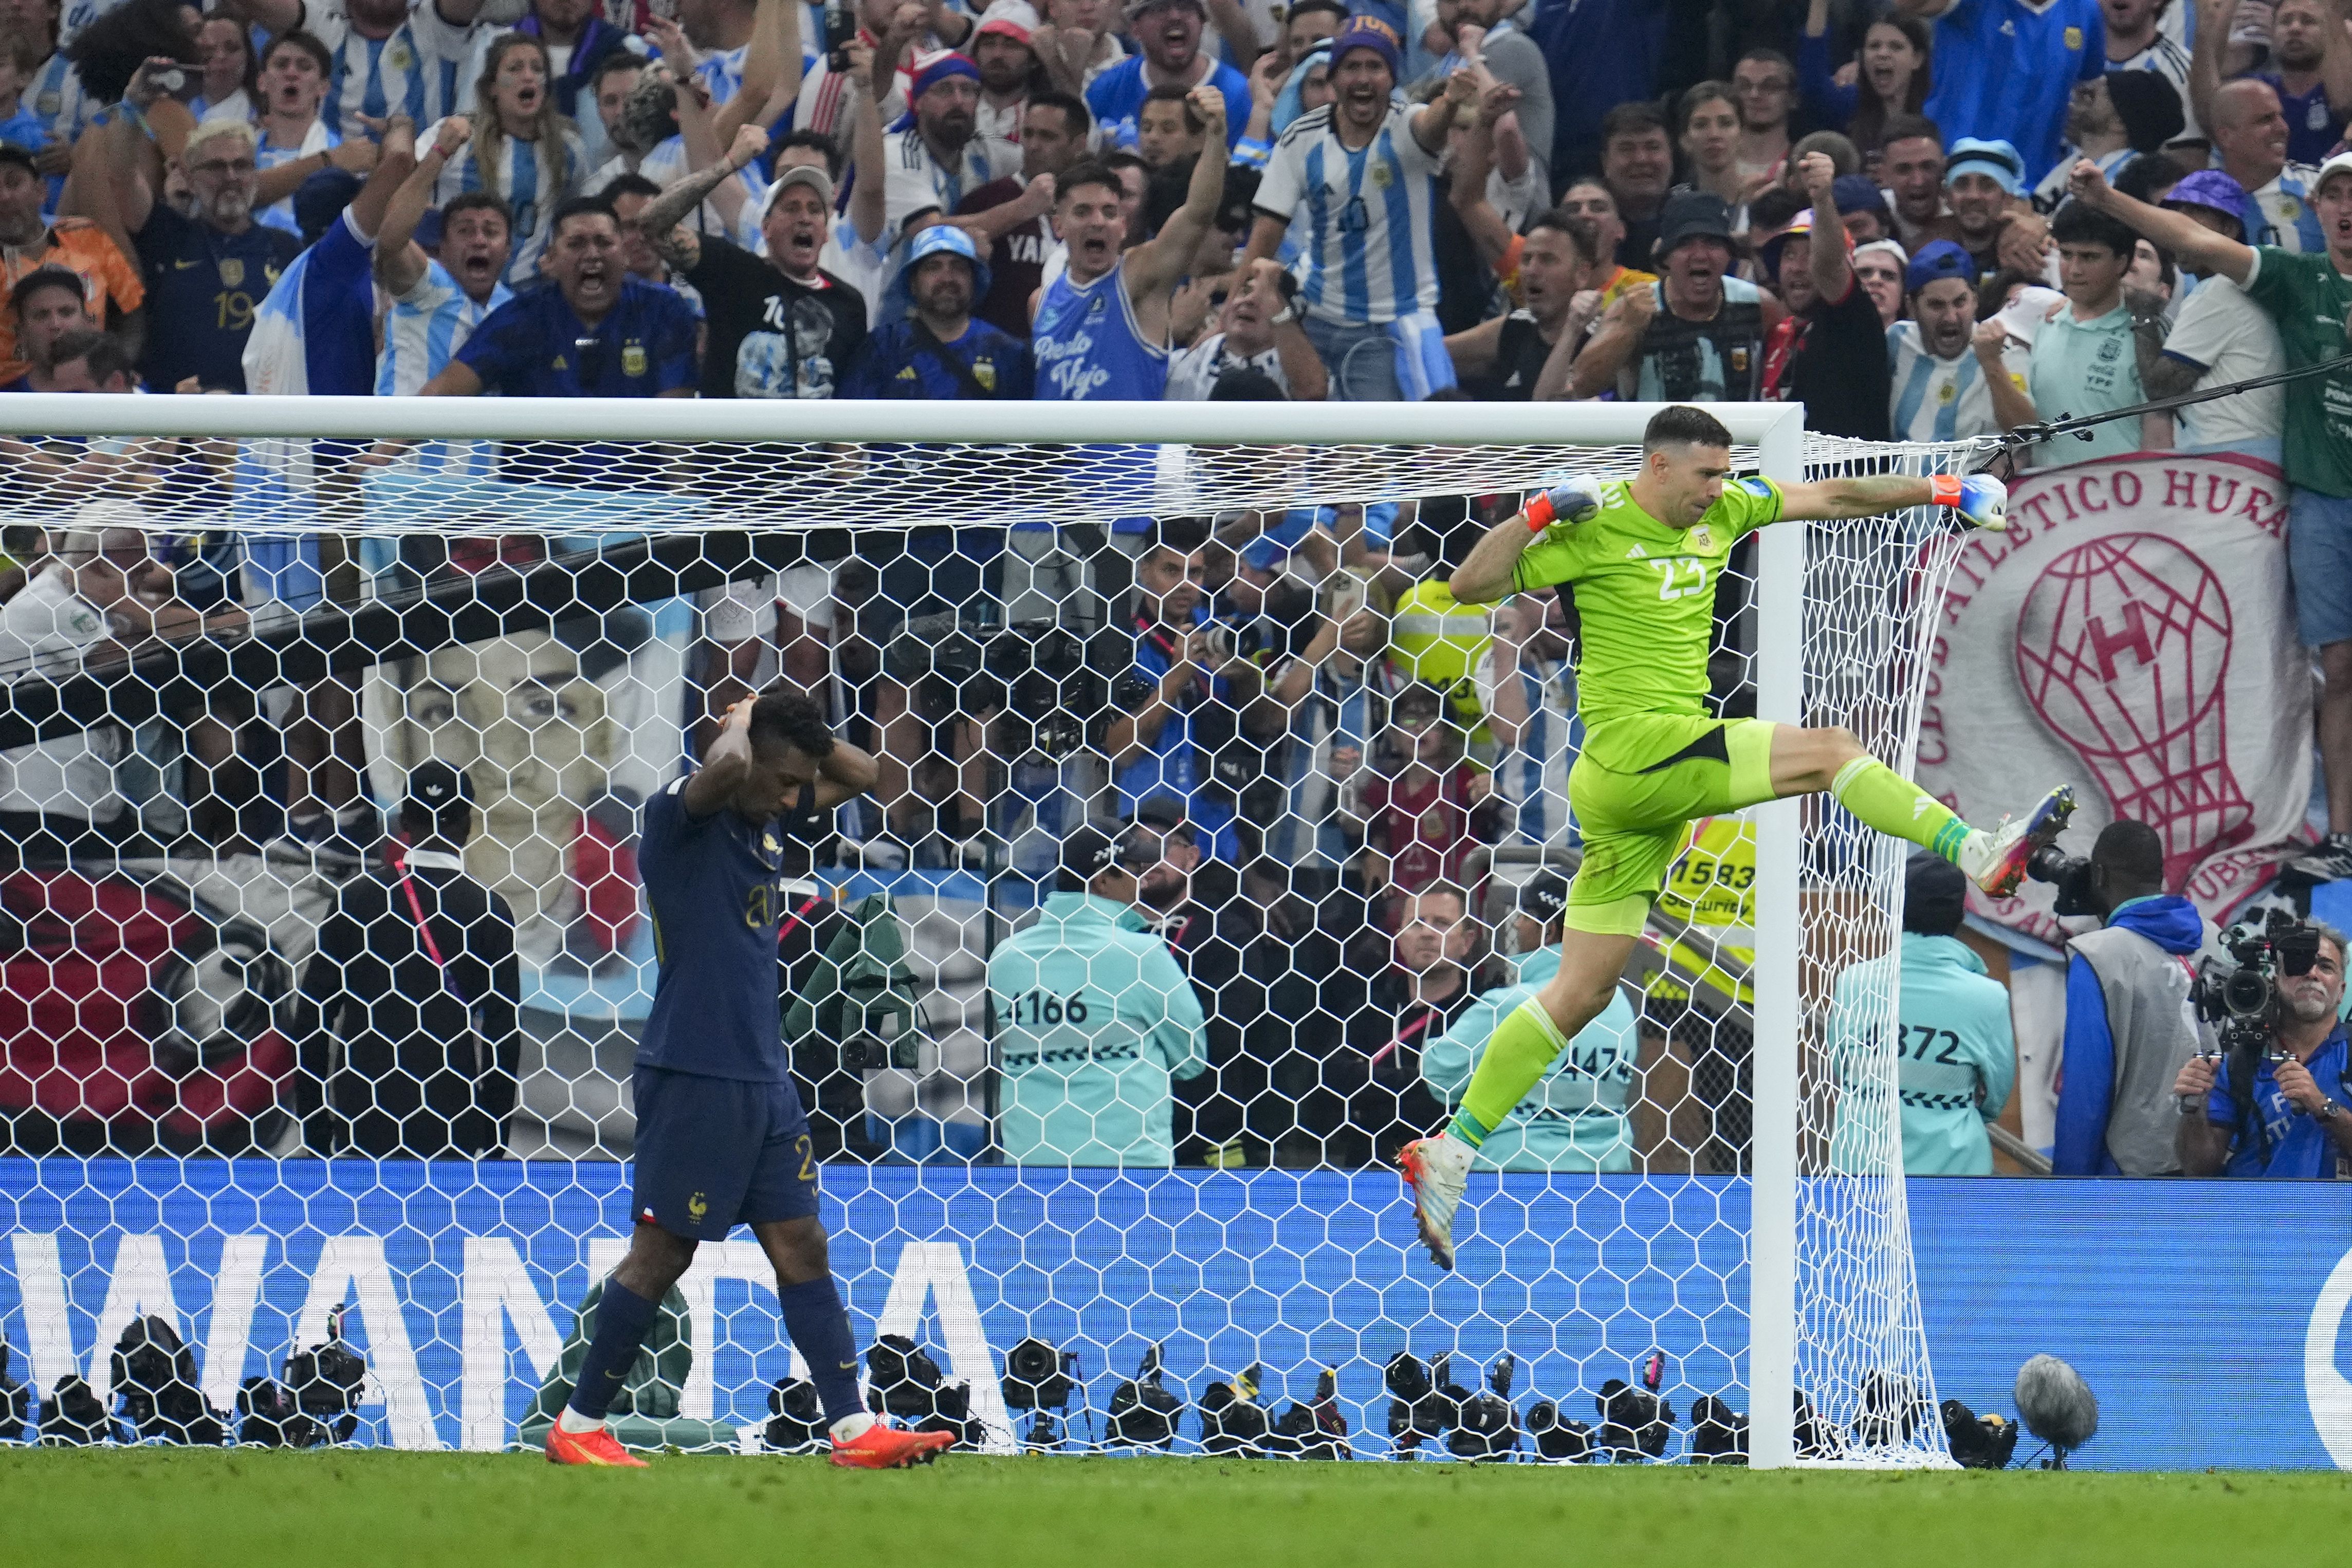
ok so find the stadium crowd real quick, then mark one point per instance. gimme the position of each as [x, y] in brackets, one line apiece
[1927, 221]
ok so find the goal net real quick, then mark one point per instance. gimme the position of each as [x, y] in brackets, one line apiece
[1117, 1158]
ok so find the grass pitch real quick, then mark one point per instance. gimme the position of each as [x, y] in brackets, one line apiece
[151, 1506]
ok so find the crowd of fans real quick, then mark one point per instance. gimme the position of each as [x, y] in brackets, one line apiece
[1933, 220]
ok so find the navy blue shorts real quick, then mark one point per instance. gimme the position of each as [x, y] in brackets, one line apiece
[716, 1153]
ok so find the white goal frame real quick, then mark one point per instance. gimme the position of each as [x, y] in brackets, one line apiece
[1775, 430]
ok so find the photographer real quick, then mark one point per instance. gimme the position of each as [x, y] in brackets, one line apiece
[2280, 1111]
[2128, 1024]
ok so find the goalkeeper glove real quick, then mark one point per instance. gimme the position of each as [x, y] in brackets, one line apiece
[1563, 507]
[1981, 498]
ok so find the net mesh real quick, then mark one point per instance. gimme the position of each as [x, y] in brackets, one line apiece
[256, 1088]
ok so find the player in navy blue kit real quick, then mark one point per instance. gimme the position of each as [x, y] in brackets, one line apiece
[722, 1140]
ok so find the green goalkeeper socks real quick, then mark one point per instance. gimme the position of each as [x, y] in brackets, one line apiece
[1899, 807]
[1523, 1046]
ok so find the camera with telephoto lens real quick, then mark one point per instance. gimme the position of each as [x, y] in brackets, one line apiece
[1143, 1412]
[2070, 875]
[1634, 1420]
[2241, 1000]
[1042, 677]
[327, 1380]
[1040, 1378]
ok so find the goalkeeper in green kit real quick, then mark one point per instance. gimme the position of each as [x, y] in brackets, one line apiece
[1642, 557]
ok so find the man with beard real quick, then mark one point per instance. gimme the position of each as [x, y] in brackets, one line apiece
[597, 332]
[782, 326]
[110, 285]
[1527, 354]
[1830, 352]
[1013, 217]
[1364, 172]
[2309, 70]
[388, 56]
[46, 307]
[1940, 381]
[1169, 32]
[204, 275]
[438, 299]
[934, 153]
[1255, 331]
[1094, 1020]
[2285, 1117]
[1911, 164]
[1695, 336]
[938, 350]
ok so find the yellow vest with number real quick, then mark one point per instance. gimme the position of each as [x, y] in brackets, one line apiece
[1712, 884]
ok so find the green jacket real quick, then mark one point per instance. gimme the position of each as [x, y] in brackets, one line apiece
[1093, 1022]
[645, 1414]
[1958, 1059]
[1574, 1119]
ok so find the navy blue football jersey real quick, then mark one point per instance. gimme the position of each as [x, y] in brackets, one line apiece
[716, 887]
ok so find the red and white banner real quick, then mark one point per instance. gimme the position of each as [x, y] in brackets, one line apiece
[2131, 634]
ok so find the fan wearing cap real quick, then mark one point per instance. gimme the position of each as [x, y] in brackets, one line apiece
[2112, 119]
[1697, 334]
[1370, 287]
[2005, 69]
[1942, 388]
[998, 47]
[1830, 352]
[936, 349]
[1095, 1019]
[1879, 266]
[416, 988]
[2221, 338]
[110, 285]
[1169, 32]
[782, 326]
[1578, 1117]
[2310, 297]
[934, 152]
[1957, 1058]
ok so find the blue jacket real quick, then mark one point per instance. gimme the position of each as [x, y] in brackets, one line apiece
[2087, 1059]
[1957, 1059]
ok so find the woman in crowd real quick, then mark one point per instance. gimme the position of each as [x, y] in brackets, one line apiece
[522, 150]
[231, 74]
[1707, 121]
[1889, 77]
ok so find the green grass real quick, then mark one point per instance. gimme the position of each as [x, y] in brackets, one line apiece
[149, 1506]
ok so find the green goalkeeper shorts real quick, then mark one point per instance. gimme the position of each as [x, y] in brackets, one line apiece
[1634, 820]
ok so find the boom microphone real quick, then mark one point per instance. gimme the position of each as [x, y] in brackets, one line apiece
[2056, 1406]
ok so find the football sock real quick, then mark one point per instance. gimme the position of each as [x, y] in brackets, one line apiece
[1524, 1045]
[1899, 807]
[819, 1328]
[623, 1318]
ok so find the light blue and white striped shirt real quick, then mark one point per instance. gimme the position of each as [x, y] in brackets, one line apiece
[280, 214]
[418, 71]
[1368, 217]
[425, 328]
[1940, 400]
[533, 192]
[1531, 776]
[721, 74]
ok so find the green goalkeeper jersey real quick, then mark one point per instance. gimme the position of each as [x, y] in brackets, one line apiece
[1645, 599]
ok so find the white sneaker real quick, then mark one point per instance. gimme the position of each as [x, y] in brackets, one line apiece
[1996, 861]
[1436, 1169]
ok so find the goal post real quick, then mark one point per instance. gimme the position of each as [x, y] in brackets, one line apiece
[1834, 622]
